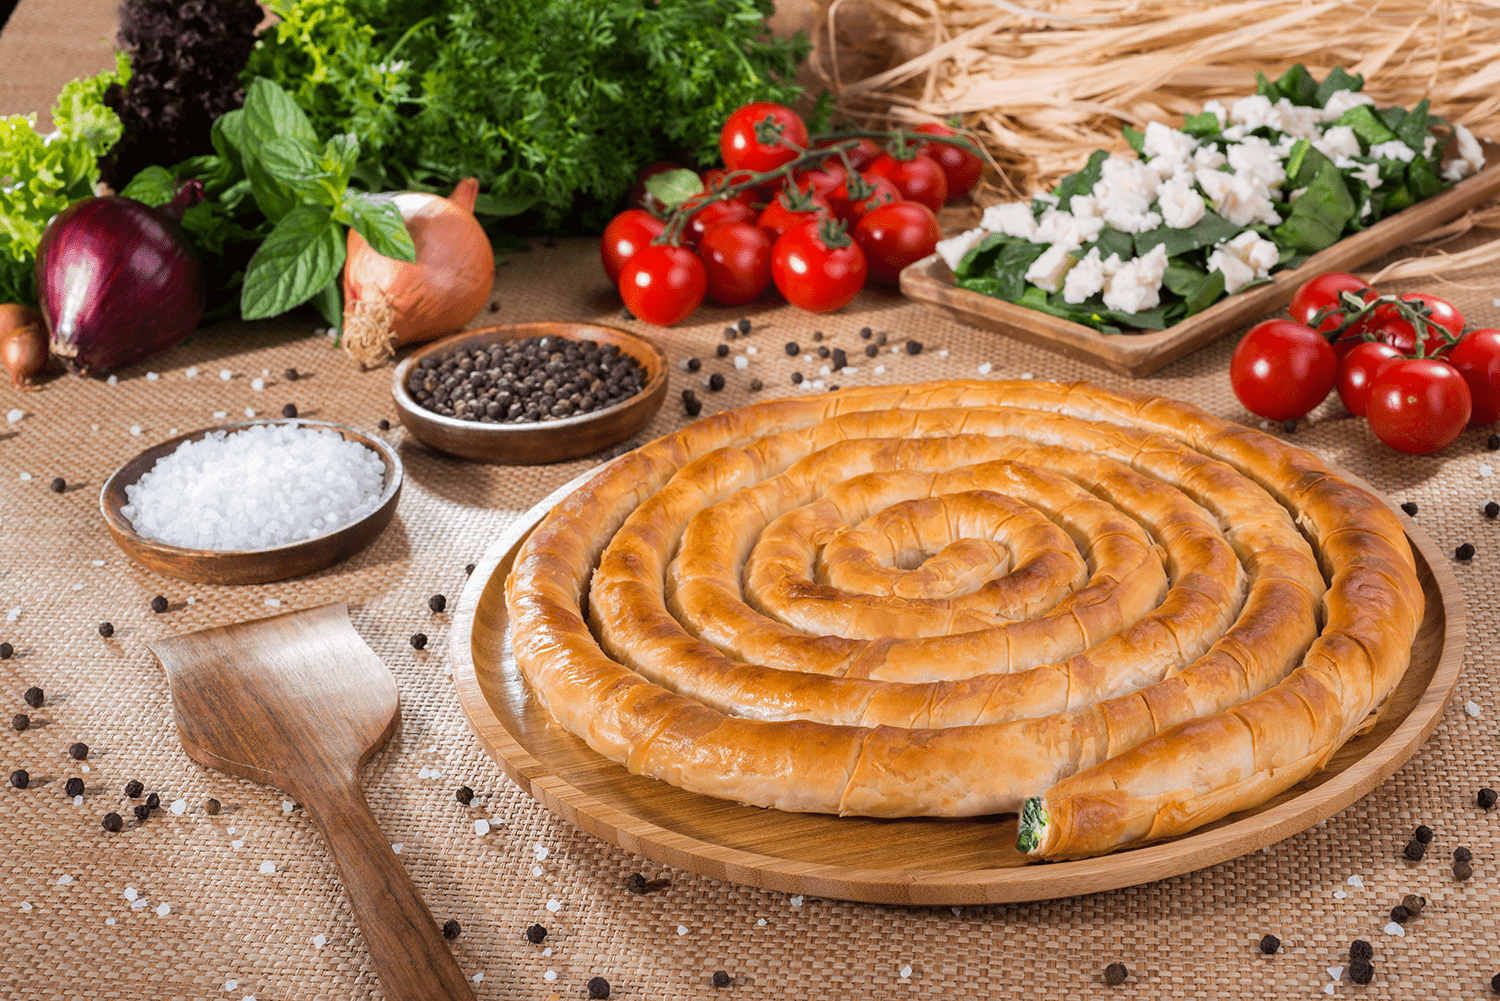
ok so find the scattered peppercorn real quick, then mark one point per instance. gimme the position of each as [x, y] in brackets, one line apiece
[1361, 971]
[1462, 871]
[626, 314]
[1495, 983]
[840, 359]
[106, 629]
[464, 795]
[1424, 834]
[880, 338]
[290, 410]
[79, 751]
[20, 722]
[1414, 850]
[744, 325]
[823, 351]
[1487, 797]
[153, 801]
[133, 789]
[793, 348]
[1413, 903]
[1115, 974]
[1269, 944]
[716, 382]
[1494, 442]
[437, 602]
[159, 604]
[864, 332]
[721, 979]
[756, 385]
[796, 378]
[112, 823]
[635, 883]
[418, 641]
[212, 807]
[535, 934]
[730, 333]
[722, 350]
[74, 787]
[913, 347]
[692, 406]
[871, 351]
[1361, 949]
[1410, 507]
[1289, 425]
[1464, 552]
[598, 986]
[59, 485]
[834, 388]
[693, 364]
[20, 778]
[6, 650]
[142, 812]
[384, 424]
[469, 570]
[290, 375]
[1491, 509]
[1462, 854]
[451, 929]
[35, 697]
[1400, 914]
[817, 335]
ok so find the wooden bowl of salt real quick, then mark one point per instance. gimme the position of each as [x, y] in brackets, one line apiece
[248, 566]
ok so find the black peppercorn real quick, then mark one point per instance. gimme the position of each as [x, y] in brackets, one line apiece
[871, 351]
[913, 347]
[290, 375]
[1361, 971]
[823, 351]
[756, 385]
[626, 314]
[1410, 507]
[722, 350]
[730, 333]
[1462, 854]
[1115, 974]
[721, 979]
[418, 641]
[1462, 871]
[384, 424]
[1414, 850]
[1361, 949]
[1486, 798]
[74, 787]
[1289, 426]
[1491, 509]
[20, 778]
[793, 348]
[464, 795]
[694, 364]
[212, 807]
[1424, 834]
[78, 751]
[864, 332]
[598, 986]
[1269, 944]
[35, 697]
[437, 602]
[635, 883]
[133, 788]
[692, 406]
[796, 378]
[290, 410]
[142, 812]
[834, 388]
[20, 722]
[1413, 903]
[469, 570]
[535, 934]
[106, 629]
[153, 801]
[1494, 442]
[840, 359]
[1464, 552]
[716, 382]
[59, 485]
[1400, 914]
[159, 604]
[1495, 983]
[112, 823]
[451, 929]
[817, 335]
[744, 325]
[6, 650]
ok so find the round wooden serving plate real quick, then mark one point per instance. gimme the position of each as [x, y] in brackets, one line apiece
[253, 566]
[926, 861]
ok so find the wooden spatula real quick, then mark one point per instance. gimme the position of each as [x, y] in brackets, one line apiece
[299, 702]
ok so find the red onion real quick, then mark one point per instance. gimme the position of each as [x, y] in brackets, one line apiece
[118, 281]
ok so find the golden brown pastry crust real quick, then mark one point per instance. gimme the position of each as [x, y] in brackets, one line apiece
[1238, 713]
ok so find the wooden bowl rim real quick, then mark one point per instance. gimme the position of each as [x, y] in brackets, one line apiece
[395, 475]
[517, 332]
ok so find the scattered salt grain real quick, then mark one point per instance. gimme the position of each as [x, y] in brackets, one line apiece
[135, 429]
[536, 870]
[547, 952]
[162, 910]
[77, 800]
[268, 868]
[1356, 881]
[225, 374]
[78, 587]
[550, 975]
[96, 563]
[398, 846]
[1339, 894]
[1328, 989]
[985, 368]
[265, 371]
[257, 384]
[741, 362]
[221, 414]
[172, 432]
[137, 904]
[906, 971]
[249, 411]
[287, 806]
[797, 900]
[112, 380]
[760, 923]
[752, 351]
[64, 880]
[850, 370]
[1486, 470]
[25, 905]
[481, 827]
[943, 353]
[479, 977]
[1334, 972]
[320, 940]
[233, 830]
[541, 853]
[817, 384]
[682, 929]
[83, 768]
[15, 416]
[192, 600]
[130, 893]
[825, 370]
[880, 370]
[109, 921]
[152, 377]
[192, 372]
[94, 426]
[554, 905]
[13, 614]
[273, 602]
[1471, 708]
[230, 985]
[236, 843]
[1392, 928]
[1026, 375]
[25, 477]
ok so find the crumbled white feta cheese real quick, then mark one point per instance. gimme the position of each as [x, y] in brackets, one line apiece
[1137, 285]
[1238, 198]
[1257, 160]
[1216, 109]
[1237, 274]
[953, 249]
[1295, 120]
[1235, 133]
[1047, 271]
[1339, 140]
[1170, 166]
[1126, 189]
[1084, 207]
[1252, 112]
[1066, 229]
[1367, 172]
[1011, 218]
[1393, 150]
[1341, 101]
[1470, 156]
[1429, 143]
[1162, 140]
[1260, 254]
[1086, 278]
[1208, 158]
[1180, 204]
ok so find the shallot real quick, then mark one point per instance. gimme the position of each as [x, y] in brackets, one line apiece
[23, 343]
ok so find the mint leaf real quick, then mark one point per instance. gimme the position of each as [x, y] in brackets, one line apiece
[270, 113]
[1211, 229]
[673, 187]
[274, 197]
[502, 206]
[329, 302]
[300, 256]
[340, 155]
[376, 218]
[152, 186]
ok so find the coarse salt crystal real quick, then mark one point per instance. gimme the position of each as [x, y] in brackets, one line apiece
[536, 870]
[77, 800]
[83, 768]
[550, 975]
[152, 377]
[818, 384]
[1356, 881]
[273, 602]
[479, 977]
[752, 350]
[797, 900]
[825, 370]
[541, 853]
[192, 372]
[1392, 928]
[236, 843]
[25, 477]
[138, 904]
[1328, 989]
[287, 806]
[232, 829]
[109, 921]
[880, 370]
[398, 846]
[1334, 972]
[78, 587]
[268, 868]
[130, 893]
[1339, 894]
[265, 371]
[320, 940]
[740, 361]
[13, 614]
[249, 412]
[112, 380]
[906, 971]
[179, 806]
[221, 414]
[25, 905]
[135, 429]
[554, 905]
[162, 910]
[14, 416]
[481, 827]
[1472, 708]
[760, 923]
[985, 368]
[943, 353]
[96, 563]
[225, 374]
[547, 952]
[682, 929]
[1026, 375]
[172, 432]
[257, 384]
[64, 880]
[850, 370]
[230, 985]
[94, 426]
[192, 600]
[1486, 470]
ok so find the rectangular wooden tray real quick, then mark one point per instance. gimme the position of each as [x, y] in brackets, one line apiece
[931, 281]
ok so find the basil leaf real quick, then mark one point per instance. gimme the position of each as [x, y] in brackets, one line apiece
[673, 187]
[152, 186]
[300, 256]
[1336, 80]
[270, 113]
[329, 302]
[982, 256]
[1265, 88]
[1209, 290]
[502, 207]
[1303, 164]
[1318, 216]
[1202, 126]
[1211, 229]
[376, 218]
[1413, 129]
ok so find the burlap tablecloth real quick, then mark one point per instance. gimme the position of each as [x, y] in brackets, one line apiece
[184, 907]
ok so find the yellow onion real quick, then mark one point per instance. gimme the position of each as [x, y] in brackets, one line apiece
[23, 342]
[388, 303]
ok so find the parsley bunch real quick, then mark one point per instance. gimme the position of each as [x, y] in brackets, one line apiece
[552, 104]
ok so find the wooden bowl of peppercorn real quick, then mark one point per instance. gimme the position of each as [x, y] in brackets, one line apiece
[528, 393]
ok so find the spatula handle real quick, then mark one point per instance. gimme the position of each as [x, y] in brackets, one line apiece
[406, 946]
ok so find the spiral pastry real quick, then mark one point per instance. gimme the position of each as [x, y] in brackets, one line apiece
[1112, 613]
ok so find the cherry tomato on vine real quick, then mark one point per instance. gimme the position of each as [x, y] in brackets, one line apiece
[1282, 370]
[1322, 292]
[712, 215]
[893, 236]
[1387, 324]
[823, 178]
[1477, 358]
[960, 167]
[919, 179]
[853, 210]
[818, 267]
[663, 284]
[1358, 370]
[860, 157]
[1418, 405]
[718, 177]
[742, 148]
[627, 233]
[737, 259]
[779, 216]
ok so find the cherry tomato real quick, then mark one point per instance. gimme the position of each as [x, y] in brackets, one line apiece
[893, 236]
[663, 284]
[919, 179]
[1387, 324]
[1358, 370]
[715, 214]
[779, 216]
[638, 197]
[960, 167]
[824, 178]
[1418, 405]
[817, 274]
[860, 157]
[853, 210]
[1477, 358]
[627, 233]
[1281, 370]
[718, 177]
[1322, 292]
[737, 257]
[743, 150]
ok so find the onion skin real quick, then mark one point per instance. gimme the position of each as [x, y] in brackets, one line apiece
[388, 303]
[118, 282]
[23, 343]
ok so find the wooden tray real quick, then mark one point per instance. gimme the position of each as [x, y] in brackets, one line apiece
[931, 281]
[922, 861]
